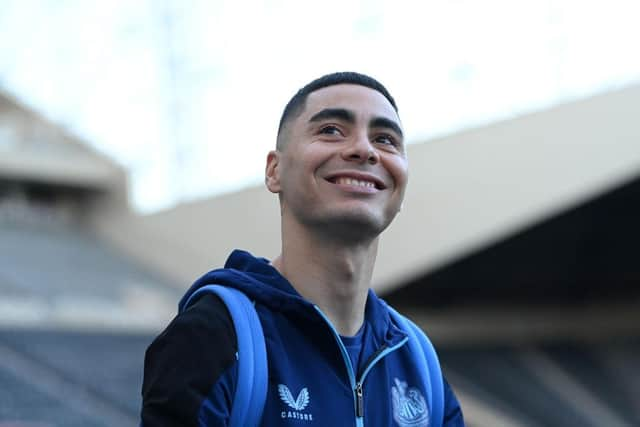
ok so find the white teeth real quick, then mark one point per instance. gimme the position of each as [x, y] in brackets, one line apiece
[352, 181]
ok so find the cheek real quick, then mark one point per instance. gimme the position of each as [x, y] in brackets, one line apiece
[399, 170]
[296, 179]
[304, 167]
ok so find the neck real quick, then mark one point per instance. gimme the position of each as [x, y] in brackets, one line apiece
[332, 274]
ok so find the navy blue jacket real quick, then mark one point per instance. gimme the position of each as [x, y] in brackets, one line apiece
[190, 368]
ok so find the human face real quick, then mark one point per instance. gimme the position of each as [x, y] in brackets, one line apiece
[344, 165]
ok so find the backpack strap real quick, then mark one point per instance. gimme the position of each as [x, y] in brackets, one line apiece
[251, 383]
[428, 365]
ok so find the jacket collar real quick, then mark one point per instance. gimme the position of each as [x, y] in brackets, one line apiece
[261, 282]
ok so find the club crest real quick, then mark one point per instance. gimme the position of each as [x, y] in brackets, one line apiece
[409, 406]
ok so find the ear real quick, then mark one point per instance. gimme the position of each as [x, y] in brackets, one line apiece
[272, 171]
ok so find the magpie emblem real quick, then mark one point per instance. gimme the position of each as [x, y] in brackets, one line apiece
[299, 403]
[409, 406]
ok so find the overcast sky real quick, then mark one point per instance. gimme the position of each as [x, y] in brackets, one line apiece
[187, 94]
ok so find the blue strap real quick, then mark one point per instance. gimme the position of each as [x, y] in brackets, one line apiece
[251, 383]
[429, 369]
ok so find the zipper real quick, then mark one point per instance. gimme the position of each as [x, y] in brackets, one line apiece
[359, 401]
[357, 386]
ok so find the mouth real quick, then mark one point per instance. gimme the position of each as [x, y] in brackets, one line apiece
[358, 180]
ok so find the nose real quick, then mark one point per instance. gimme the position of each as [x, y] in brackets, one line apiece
[361, 150]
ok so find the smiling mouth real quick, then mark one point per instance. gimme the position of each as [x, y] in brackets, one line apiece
[344, 180]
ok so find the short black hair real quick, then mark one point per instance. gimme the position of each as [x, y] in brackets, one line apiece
[297, 103]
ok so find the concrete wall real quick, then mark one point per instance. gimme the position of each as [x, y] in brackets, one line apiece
[36, 150]
[466, 190]
[473, 188]
[184, 242]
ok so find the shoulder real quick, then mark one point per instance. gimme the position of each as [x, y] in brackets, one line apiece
[186, 359]
[205, 316]
[452, 410]
[452, 413]
[203, 328]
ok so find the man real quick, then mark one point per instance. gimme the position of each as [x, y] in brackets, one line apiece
[335, 356]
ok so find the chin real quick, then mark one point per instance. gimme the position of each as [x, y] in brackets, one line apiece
[353, 225]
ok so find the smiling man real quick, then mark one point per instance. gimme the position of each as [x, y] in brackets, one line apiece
[337, 355]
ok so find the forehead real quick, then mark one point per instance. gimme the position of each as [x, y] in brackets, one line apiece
[364, 102]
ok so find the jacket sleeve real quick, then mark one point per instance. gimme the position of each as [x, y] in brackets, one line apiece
[189, 369]
[452, 411]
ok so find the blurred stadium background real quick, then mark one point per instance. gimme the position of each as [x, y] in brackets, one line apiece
[521, 262]
[517, 250]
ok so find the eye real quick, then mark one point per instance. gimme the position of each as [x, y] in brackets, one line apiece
[385, 140]
[331, 130]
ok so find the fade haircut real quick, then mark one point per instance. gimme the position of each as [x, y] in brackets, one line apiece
[296, 105]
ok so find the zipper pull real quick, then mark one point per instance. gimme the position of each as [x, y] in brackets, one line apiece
[359, 401]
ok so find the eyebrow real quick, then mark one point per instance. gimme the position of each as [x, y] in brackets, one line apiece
[382, 122]
[349, 117]
[333, 113]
